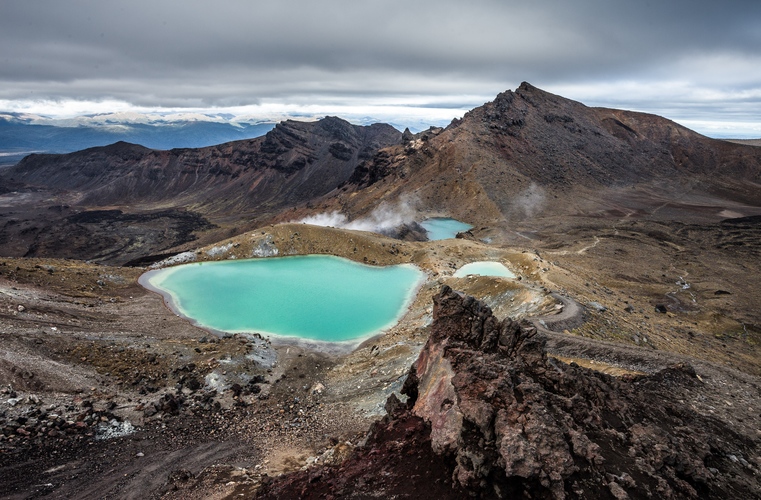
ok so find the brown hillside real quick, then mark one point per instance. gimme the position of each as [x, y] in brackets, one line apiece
[531, 153]
[293, 162]
[124, 202]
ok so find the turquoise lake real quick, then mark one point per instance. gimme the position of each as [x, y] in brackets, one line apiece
[442, 228]
[312, 297]
[484, 268]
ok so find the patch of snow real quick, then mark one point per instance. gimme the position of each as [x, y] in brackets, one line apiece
[216, 381]
[265, 248]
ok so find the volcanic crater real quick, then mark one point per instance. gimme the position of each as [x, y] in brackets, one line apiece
[622, 360]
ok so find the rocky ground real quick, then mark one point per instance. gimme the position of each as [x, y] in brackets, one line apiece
[107, 394]
[490, 415]
[635, 243]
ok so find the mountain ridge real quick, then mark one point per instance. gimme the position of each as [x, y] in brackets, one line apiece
[526, 155]
[246, 172]
[533, 144]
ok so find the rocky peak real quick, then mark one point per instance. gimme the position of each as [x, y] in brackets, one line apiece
[407, 136]
[466, 323]
[123, 148]
[293, 145]
[518, 421]
[527, 87]
[337, 128]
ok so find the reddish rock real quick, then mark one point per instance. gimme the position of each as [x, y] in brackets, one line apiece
[490, 415]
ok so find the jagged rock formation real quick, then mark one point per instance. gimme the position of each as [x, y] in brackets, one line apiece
[490, 415]
[294, 162]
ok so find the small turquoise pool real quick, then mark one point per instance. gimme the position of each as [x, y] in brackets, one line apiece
[442, 228]
[312, 297]
[484, 268]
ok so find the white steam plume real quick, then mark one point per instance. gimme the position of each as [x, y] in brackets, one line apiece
[383, 218]
[332, 219]
[530, 201]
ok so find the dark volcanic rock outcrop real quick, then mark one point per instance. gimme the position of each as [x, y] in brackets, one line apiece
[490, 415]
[112, 235]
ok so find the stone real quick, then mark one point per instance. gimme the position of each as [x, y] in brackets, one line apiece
[393, 404]
[502, 419]
[617, 491]
[598, 307]
[317, 388]
[192, 384]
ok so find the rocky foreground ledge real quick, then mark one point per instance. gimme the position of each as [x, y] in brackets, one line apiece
[490, 415]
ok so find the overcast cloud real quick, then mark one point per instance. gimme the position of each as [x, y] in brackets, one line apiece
[696, 62]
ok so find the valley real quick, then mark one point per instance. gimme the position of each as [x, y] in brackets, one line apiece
[635, 246]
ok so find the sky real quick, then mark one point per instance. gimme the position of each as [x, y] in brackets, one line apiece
[695, 62]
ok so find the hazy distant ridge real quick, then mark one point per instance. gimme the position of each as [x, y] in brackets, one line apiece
[17, 134]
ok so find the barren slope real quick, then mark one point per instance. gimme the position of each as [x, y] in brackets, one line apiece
[531, 153]
[293, 162]
[156, 200]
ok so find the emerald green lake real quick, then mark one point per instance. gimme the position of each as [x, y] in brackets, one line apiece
[484, 268]
[442, 228]
[312, 297]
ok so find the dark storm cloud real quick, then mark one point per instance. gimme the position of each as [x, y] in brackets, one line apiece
[200, 53]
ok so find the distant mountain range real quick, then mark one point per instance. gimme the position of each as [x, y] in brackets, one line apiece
[528, 154]
[21, 135]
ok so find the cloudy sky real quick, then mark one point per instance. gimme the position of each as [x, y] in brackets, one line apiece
[696, 62]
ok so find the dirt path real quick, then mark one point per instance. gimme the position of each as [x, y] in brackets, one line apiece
[570, 316]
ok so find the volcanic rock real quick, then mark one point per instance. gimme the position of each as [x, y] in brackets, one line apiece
[294, 163]
[490, 415]
[530, 152]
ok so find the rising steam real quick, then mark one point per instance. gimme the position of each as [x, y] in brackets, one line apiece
[386, 217]
[530, 202]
